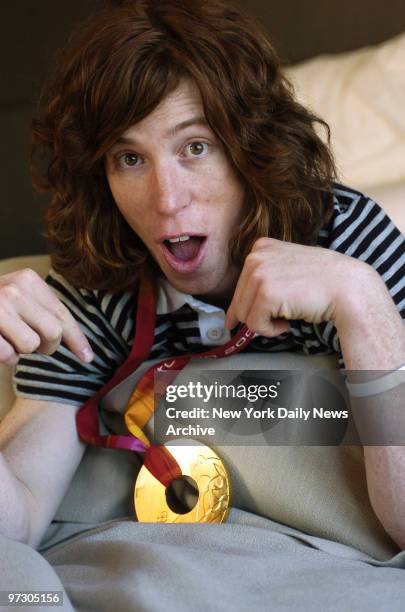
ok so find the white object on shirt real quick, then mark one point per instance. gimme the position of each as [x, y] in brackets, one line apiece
[211, 319]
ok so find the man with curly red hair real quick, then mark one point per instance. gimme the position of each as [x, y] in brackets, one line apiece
[175, 147]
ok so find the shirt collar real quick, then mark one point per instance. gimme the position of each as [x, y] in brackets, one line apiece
[170, 299]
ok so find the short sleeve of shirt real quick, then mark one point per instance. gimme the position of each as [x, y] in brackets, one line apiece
[359, 228]
[106, 319]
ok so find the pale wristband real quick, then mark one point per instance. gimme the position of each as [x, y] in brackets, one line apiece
[379, 385]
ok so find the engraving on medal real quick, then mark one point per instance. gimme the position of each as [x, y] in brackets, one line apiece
[207, 470]
[214, 490]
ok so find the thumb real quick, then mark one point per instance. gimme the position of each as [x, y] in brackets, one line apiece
[231, 319]
[278, 326]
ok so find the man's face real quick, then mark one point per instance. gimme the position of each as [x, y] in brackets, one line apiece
[173, 180]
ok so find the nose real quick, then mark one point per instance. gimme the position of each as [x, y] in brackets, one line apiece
[168, 189]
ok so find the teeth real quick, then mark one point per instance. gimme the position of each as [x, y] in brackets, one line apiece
[179, 239]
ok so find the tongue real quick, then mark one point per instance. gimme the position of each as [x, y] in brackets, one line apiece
[187, 249]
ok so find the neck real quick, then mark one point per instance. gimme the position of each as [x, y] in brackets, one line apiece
[222, 298]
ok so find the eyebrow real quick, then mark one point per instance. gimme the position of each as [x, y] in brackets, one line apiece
[198, 120]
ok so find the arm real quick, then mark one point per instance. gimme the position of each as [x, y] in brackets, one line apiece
[39, 454]
[372, 337]
[273, 288]
[39, 446]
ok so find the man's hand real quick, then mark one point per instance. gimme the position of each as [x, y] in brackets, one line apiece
[281, 281]
[32, 318]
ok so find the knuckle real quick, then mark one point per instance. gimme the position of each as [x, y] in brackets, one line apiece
[6, 352]
[267, 291]
[61, 312]
[53, 333]
[10, 292]
[29, 343]
[257, 276]
[47, 348]
[253, 258]
[27, 276]
[261, 242]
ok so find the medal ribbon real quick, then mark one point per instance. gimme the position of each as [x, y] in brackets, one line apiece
[158, 460]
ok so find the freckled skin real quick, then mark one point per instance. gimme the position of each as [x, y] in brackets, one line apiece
[172, 184]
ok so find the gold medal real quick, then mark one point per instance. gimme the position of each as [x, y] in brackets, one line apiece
[204, 491]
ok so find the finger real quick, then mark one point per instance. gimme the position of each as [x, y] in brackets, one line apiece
[242, 298]
[51, 327]
[43, 322]
[231, 319]
[239, 306]
[19, 335]
[29, 282]
[260, 320]
[280, 326]
[7, 353]
[48, 327]
[72, 334]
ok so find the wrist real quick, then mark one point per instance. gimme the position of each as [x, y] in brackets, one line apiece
[370, 329]
[364, 299]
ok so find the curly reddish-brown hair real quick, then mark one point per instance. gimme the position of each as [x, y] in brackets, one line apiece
[115, 70]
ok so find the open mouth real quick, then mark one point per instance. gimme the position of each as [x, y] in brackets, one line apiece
[185, 255]
[186, 248]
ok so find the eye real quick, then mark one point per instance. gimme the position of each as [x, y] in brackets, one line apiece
[128, 159]
[196, 148]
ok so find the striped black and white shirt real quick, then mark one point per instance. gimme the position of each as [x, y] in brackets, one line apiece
[358, 228]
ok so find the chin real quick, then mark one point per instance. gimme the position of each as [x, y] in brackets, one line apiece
[190, 286]
[194, 286]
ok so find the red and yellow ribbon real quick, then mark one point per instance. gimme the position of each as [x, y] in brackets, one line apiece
[141, 404]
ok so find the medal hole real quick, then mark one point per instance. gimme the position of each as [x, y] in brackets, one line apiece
[182, 494]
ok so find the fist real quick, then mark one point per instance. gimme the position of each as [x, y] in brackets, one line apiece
[32, 319]
[281, 281]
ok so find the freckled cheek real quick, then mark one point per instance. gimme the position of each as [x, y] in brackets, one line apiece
[132, 210]
[234, 197]
[220, 185]
[223, 200]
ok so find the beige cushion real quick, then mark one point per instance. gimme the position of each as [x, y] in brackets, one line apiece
[39, 263]
[361, 94]
[318, 490]
[392, 199]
